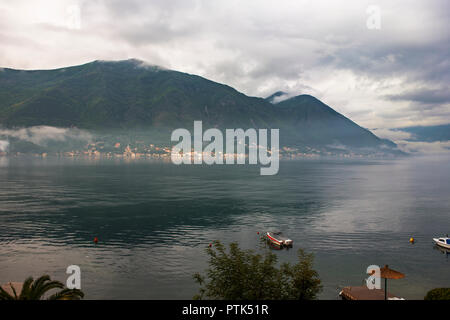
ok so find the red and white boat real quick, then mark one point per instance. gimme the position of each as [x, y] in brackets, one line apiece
[278, 239]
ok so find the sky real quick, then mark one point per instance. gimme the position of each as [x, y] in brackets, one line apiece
[383, 64]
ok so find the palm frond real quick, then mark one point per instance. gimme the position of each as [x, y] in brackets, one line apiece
[40, 281]
[24, 295]
[67, 294]
[14, 291]
[44, 288]
[5, 295]
[35, 290]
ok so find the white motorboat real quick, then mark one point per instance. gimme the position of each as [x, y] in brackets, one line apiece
[443, 242]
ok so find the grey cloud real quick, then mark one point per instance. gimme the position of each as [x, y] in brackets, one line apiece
[425, 96]
[145, 23]
[418, 63]
[260, 47]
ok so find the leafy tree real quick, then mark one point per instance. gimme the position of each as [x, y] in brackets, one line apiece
[438, 294]
[36, 289]
[246, 275]
[304, 280]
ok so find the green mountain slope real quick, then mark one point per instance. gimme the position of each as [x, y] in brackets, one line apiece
[318, 124]
[121, 94]
[130, 96]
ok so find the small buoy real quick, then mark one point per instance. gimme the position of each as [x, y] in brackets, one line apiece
[95, 240]
[411, 240]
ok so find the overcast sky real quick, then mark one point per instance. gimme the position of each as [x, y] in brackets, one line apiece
[393, 76]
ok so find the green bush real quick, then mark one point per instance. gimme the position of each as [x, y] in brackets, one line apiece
[237, 274]
[438, 294]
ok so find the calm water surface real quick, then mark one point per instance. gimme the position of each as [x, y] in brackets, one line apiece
[154, 220]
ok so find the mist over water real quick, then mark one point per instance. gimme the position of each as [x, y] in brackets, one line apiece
[154, 220]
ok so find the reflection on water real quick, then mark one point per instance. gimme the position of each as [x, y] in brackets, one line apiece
[154, 220]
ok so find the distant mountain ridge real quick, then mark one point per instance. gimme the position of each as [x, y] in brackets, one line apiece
[428, 133]
[130, 95]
